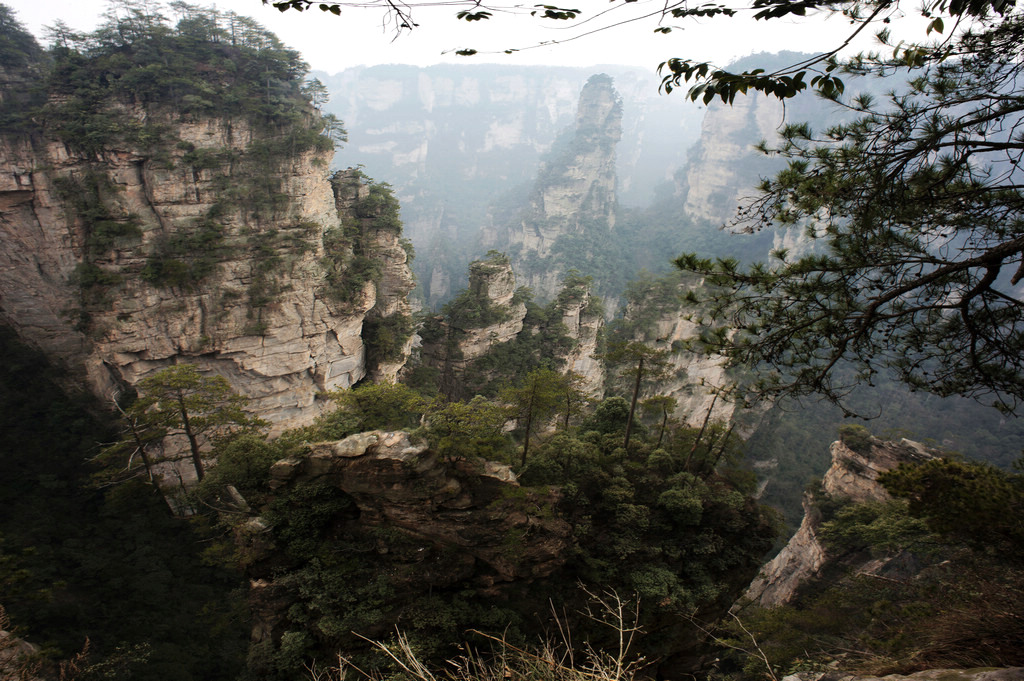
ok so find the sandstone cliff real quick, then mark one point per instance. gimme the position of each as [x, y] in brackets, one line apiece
[723, 167]
[852, 477]
[489, 126]
[490, 317]
[574, 195]
[221, 243]
[485, 315]
[656, 314]
[583, 318]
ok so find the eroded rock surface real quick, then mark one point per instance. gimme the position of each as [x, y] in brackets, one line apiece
[261, 314]
[574, 193]
[474, 506]
[853, 476]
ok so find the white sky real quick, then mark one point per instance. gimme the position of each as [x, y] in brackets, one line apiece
[331, 43]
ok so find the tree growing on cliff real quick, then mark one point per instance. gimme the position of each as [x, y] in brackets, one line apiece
[373, 406]
[641, 362]
[534, 401]
[918, 210]
[180, 401]
[661, 407]
[467, 430]
[965, 501]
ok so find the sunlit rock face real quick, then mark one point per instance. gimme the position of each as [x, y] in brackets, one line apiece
[718, 176]
[260, 315]
[584, 324]
[853, 475]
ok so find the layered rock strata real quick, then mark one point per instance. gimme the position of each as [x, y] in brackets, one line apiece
[489, 314]
[260, 314]
[584, 322]
[458, 340]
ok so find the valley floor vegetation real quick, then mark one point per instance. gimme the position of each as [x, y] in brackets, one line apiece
[667, 525]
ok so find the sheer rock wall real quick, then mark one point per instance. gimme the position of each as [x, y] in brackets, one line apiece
[280, 350]
[575, 192]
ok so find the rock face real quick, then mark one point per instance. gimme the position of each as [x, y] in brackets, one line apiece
[692, 377]
[488, 314]
[403, 485]
[583, 319]
[657, 317]
[497, 318]
[852, 476]
[19, 659]
[723, 166]
[383, 246]
[429, 524]
[574, 193]
[239, 287]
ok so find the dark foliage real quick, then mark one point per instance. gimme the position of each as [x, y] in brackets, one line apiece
[110, 565]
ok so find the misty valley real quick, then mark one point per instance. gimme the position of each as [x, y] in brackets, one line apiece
[483, 372]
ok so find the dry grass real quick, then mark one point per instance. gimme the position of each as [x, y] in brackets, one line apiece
[556, 659]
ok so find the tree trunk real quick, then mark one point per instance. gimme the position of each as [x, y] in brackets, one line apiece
[193, 443]
[664, 422]
[632, 407]
[529, 424]
[700, 435]
[721, 449]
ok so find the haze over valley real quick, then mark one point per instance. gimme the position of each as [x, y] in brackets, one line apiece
[478, 371]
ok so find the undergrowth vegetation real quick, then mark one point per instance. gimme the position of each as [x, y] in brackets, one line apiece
[931, 579]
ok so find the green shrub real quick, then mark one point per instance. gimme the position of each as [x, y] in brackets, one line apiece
[856, 437]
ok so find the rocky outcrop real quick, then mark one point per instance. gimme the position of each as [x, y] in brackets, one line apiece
[416, 523]
[491, 313]
[488, 127]
[493, 282]
[218, 258]
[381, 243]
[724, 167]
[692, 379]
[19, 659]
[583, 318]
[852, 476]
[402, 484]
[658, 316]
[486, 315]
